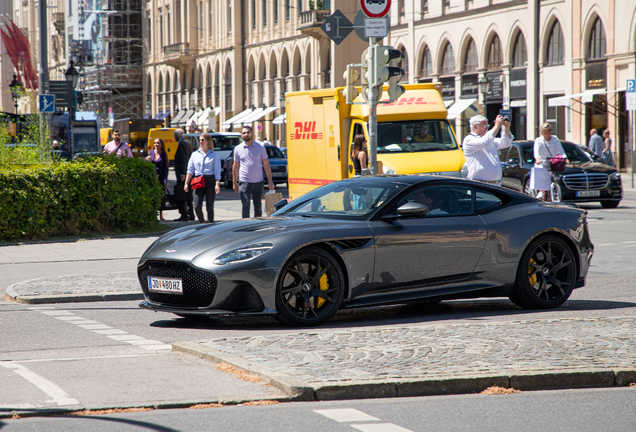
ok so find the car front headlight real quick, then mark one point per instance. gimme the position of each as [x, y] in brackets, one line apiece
[243, 254]
[615, 176]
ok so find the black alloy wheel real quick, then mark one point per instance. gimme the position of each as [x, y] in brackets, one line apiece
[310, 288]
[546, 274]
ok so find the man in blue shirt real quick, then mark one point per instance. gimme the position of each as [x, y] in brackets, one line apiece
[250, 159]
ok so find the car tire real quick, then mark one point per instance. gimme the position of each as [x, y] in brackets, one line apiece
[546, 274]
[610, 204]
[310, 288]
[226, 181]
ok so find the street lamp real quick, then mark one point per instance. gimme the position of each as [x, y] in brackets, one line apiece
[16, 92]
[484, 88]
[72, 76]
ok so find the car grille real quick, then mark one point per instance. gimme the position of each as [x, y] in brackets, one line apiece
[278, 168]
[199, 287]
[586, 181]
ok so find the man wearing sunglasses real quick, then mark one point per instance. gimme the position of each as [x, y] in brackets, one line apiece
[250, 160]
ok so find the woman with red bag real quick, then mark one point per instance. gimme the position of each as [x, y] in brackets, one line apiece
[204, 176]
[546, 147]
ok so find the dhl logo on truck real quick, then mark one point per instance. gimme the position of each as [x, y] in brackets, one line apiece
[306, 130]
[411, 101]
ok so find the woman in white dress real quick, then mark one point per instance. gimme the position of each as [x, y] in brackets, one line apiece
[545, 147]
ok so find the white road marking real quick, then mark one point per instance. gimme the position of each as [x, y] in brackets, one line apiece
[125, 338]
[84, 358]
[628, 242]
[346, 415]
[95, 327]
[59, 396]
[40, 307]
[110, 332]
[70, 318]
[57, 313]
[605, 244]
[85, 321]
[380, 427]
[157, 347]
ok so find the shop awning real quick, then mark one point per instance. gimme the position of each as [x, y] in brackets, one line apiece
[175, 121]
[227, 124]
[281, 119]
[448, 103]
[255, 116]
[459, 107]
[242, 120]
[204, 117]
[147, 116]
[186, 117]
[586, 97]
[158, 116]
[164, 115]
[191, 124]
[518, 103]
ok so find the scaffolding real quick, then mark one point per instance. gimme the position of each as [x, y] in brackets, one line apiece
[111, 77]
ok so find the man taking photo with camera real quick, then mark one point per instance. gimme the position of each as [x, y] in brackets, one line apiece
[481, 148]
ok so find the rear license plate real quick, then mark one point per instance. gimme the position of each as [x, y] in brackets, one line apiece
[166, 285]
[592, 193]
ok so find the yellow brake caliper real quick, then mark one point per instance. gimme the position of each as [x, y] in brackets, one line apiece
[324, 286]
[532, 279]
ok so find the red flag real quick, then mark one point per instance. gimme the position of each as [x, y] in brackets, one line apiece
[22, 44]
[12, 51]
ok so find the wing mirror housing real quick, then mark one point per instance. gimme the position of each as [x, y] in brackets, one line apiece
[411, 209]
[280, 204]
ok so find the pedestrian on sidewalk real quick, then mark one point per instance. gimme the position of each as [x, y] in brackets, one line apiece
[117, 146]
[207, 163]
[181, 158]
[159, 158]
[481, 149]
[545, 147]
[607, 151]
[596, 143]
[250, 159]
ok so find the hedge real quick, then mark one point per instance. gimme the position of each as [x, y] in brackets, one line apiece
[96, 195]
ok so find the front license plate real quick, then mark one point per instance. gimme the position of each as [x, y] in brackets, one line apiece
[592, 193]
[166, 285]
[278, 174]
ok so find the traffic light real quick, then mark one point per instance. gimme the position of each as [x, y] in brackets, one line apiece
[395, 90]
[364, 76]
[350, 76]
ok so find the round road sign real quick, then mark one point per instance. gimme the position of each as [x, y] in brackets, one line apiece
[375, 8]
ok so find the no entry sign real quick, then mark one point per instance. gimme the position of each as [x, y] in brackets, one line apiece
[375, 8]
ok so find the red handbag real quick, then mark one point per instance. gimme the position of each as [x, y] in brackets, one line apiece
[198, 182]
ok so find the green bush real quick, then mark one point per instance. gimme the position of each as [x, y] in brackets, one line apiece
[96, 195]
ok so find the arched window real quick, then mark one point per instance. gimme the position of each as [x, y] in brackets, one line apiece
[427, 64]
[448, 60]
[209, 86]
[519, 53]
[556, 51]
[160, 94]
[168, 95]
[200, 92]
[596, 49]
[494, 54]
[404, 64]
[471, 62]
[228, 87]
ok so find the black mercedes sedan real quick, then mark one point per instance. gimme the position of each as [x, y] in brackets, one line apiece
[372, 241]
[584, 179]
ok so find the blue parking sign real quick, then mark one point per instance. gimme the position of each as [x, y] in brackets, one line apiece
[630, 95]
[47, 103]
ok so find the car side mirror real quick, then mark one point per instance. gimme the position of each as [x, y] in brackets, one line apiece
[514, 161]
[410, 209]
[280, 204]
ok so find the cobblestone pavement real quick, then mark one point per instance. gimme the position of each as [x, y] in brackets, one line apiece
[443, 350]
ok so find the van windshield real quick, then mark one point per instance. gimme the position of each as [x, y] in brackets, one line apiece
[226, 142]
[415, 136]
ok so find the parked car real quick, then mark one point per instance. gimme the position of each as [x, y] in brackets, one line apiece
[277, 162]
[368, 241]
[584, 180]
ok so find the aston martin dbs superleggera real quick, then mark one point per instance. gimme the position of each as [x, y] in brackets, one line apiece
[369, 241]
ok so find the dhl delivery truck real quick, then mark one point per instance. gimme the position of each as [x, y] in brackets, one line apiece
[413, 135]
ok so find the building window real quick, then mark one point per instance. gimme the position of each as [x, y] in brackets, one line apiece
[471, 61]
[211, 20]
[217, 89]
[208, 88]
[228, 87]
[402, 13]
[404, 64]
[253, 14]
[424, 8]
[287, 11]
[229, 16]
[275, 11]
[427, 64]
[264, 12]
[596, 48]
[494, 54]
[448, 60]
[200, 20]
[200, 95]
[300, 6]
[556, 52]
[520, 54]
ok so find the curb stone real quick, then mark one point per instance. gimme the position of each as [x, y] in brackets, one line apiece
[299, 391]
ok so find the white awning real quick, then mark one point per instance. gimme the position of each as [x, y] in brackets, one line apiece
[448, 103]
[586, 97]
[256, 115]
[227, 124]
[459, 107]
[184, 120]
[518, 103]
[175, 121]
[281, 119]
[204, 117]
[242, 120]
[191, 124]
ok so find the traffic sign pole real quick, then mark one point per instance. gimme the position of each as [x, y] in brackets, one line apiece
[630, 105]
[373, 116]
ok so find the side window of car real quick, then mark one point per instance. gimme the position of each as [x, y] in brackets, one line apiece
[513, 154]
[486, 201]
[442, 200]
[503, 154]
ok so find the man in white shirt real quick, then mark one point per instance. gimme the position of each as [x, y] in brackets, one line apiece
[480, 148]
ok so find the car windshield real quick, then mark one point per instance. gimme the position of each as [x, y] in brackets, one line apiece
[346, 199]
[225, 142]
[415, 136]
[274, 152]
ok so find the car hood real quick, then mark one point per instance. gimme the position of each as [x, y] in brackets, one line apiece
[193, 242]
[591, 167]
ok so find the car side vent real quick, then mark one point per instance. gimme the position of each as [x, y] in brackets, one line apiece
[350, 244]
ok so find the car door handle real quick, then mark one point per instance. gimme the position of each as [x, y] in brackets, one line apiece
[471, 231]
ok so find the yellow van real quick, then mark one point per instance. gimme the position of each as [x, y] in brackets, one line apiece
[105, 136]
[167, 135]
[414, 135]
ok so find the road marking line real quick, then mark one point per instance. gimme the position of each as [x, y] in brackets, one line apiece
[628, 242]
[346, 415]
[606, 244]
[85, 321]
[95, 326]
[380, 427]
[37, 308]
[83, 358]
[70, 318]
[110, 332]
[143, 342]
[124, 338]
[156, 347]
[57, 313]
[59, 396]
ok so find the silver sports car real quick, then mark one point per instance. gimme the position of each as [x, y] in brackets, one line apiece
[370, 241]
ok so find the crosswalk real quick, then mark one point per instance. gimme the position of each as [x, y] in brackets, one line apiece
[360, 420]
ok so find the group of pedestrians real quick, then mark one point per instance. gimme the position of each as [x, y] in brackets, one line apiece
[602, 147]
